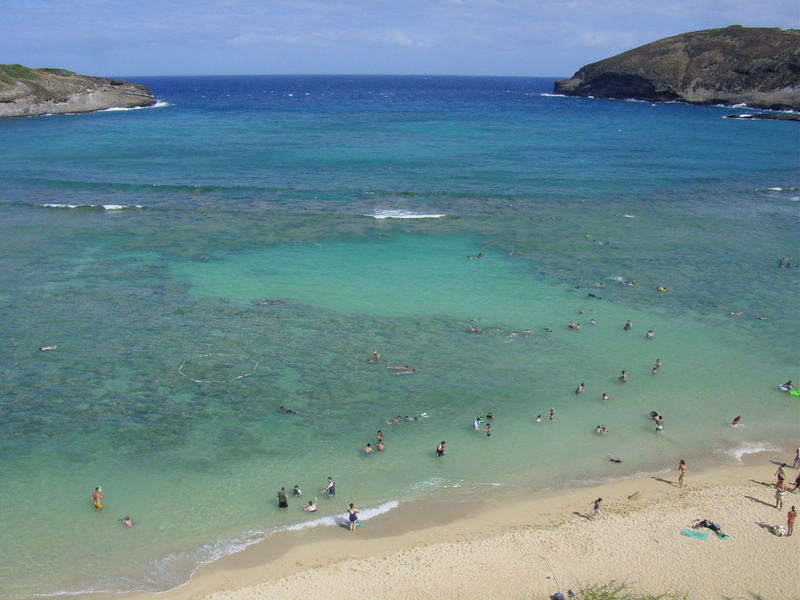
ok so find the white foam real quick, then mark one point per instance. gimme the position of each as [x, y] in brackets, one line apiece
[363, 515]
[627, 216]
[158, 104]
[554, 95]
[391, 213]
[750, 448]
[775, 189]
[103, 206]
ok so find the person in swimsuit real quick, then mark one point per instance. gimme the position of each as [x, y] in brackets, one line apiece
[650, 334]
[580, 388]
[790, 518]
[367, 449]
[97, 498]
[780, 494]
[623, 377]
[380, 435]
[539, 419]
[312, 506]
[127, 522]
[440, 449]
[353, 516]
[476, 424]
[796, 463]
[628, 325]
[283, 499]
[606, 397]
[681, 472]
[736, 421]
[296, 491]
[330, 488]
[488, 430]
[380, 446]
[780, 473]
[596, 512]
[552, 413]
[658, 363]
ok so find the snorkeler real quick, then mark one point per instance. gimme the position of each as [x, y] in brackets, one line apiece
[288, 411]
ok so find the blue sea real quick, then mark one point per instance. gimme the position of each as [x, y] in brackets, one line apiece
[250, 241]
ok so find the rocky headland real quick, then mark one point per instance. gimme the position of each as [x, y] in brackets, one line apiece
[756, 66]
[28, 92]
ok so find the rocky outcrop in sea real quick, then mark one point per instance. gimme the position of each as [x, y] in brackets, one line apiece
[756, 66]
[30, 92]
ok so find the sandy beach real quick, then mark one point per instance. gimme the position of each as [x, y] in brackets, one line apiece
[452, 545]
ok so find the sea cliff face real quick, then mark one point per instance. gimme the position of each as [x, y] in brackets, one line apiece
[756, 66]
[31, 92]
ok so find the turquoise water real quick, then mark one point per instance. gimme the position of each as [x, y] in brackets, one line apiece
[247, 190]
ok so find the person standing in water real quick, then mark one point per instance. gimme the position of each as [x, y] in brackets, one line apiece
[488, 430]
[353, 516]
[97, 498]
[623, 377]
[440, 449]
[283, 499]
[552, 414]
[628, 325]
[330, 488]
[681, 472]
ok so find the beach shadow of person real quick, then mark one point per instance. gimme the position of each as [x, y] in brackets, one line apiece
[760, 501]
[342, 522]
[667, 481]
[764, 526]
[764, 483]
[582, 516]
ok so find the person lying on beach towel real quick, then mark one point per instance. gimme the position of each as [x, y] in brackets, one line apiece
[715, 527]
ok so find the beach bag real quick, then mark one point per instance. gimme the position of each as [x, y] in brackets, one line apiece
[779, 530]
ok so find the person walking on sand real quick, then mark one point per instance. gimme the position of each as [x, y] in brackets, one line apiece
[283, 499]
[790, 518]
[681, 472]
[353, 516]
[780, 494]
[780, 473]
[596, 512]
[796, 464]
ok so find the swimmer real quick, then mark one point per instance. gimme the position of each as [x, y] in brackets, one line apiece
[662, 288]
[476, 424]
[628, 325]
[380, 446]
[288, 411]
[650, 334]
[97, 498]
[593, 321]
[547, 329]
[736, 421]
[409, 372]
[394, 421]
[312, 506]
[552, 414]
[376, 357]
[658, 363]
[630, 282]
[440, 449]
[296, 491]
[379, 435]
[488, 430]
[582, 311]
[580, 388]
[735, 314]
[654, 371]
[367, 449]
[527, 333]
[407, 418]
[403, 367]
[513, 334]
[127, 522]
[539, 419]
[614, 460]
[601, 429]
[623, 377]
[788, 386]
[605, 397]
[46, 348]
[489, 416]
[474, 330]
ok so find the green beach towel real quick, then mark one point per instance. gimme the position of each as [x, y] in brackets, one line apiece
[700, 535]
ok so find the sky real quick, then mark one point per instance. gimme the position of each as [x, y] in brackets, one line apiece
[398, 37]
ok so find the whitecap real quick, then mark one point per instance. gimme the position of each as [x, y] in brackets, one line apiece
[554, 95]
[402, 214]
[158, 104]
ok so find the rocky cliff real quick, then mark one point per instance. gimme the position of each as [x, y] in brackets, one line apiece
[757, 66]
[29, 92]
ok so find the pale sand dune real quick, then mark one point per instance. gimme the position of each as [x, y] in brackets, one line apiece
[533, 548]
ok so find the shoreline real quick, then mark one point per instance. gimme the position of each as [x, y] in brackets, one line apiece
[428, 547]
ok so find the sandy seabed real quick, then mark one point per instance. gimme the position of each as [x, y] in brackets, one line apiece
[497, 547]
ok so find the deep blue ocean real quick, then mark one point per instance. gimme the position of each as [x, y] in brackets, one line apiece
[250, 241]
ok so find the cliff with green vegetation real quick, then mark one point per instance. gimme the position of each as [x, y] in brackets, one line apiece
[757, 66]
[29, 92]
